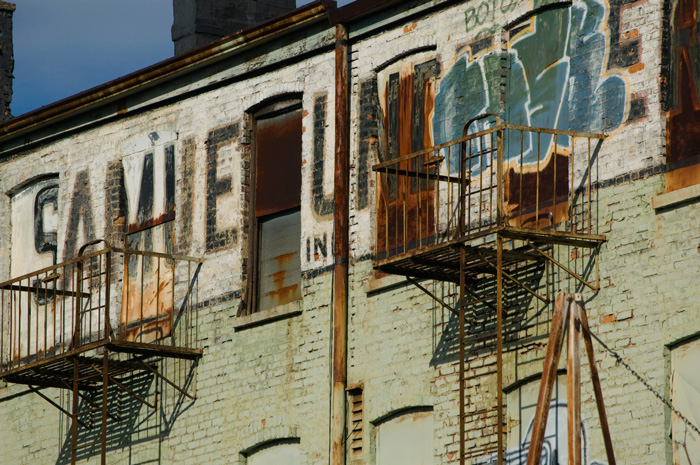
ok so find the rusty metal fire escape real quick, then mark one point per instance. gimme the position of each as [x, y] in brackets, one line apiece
[91, 324]
[477, 212]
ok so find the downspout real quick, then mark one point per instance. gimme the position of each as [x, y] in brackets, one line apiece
[340, 249]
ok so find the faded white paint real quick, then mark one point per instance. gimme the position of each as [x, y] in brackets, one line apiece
[25, 257]
[29, 317]
[133, 173]
[406, 439]
[685, 392]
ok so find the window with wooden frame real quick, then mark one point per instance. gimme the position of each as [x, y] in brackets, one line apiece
[274, 263]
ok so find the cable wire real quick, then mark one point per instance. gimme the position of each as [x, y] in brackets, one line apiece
[664, 400]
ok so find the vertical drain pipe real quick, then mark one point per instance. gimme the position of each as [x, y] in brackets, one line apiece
[340, 248]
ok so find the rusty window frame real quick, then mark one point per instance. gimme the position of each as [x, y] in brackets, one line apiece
[279, 107]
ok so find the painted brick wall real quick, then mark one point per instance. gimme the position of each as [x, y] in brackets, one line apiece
[271, 381]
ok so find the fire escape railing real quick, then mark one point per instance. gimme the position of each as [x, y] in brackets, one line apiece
[505, 176]
[108, 296]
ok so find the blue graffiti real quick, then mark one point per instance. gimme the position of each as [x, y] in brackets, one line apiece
[555, 79]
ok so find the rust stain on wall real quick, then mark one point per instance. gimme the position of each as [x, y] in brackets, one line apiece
[407, 203]
[682, 100]
[147, 293]
[282, 294]
[531, 198]
[147, 307]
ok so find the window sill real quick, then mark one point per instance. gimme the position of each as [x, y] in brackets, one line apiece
[674, 198]
[267, 316]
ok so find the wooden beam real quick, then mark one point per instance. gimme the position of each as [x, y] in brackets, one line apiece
[596, 383]
[549, 374]
[573, 387]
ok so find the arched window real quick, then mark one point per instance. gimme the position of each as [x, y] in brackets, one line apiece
[406, 438]
[274, 274]
[282, 452]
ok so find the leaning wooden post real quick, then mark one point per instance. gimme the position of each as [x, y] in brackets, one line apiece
[549, 374]
[596, 381]
[573, 387]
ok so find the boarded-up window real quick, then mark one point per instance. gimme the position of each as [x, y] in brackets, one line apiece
[279, 259]
[277, 201]
[685, 392]
[406, 439]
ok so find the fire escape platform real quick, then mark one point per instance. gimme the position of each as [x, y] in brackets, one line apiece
[442, 261]
[58, 371]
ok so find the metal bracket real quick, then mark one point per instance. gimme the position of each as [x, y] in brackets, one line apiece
[594, 288]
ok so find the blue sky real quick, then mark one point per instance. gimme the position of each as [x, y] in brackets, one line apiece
[67, 46]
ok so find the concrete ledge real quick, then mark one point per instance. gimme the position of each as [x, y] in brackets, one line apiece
[267, 316]
[670, 199]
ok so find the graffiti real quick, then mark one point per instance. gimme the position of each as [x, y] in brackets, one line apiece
[218, 186]
[624, 51]
[681, 91]
[322, 205]
[320, 248]
[554, 73]
[553, 81]
[476, 16]
[555, 445]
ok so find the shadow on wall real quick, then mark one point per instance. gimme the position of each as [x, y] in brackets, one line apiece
[480, 330]
[130, 422]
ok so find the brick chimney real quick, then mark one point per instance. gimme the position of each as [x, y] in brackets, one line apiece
[7, 60]
[199, 22]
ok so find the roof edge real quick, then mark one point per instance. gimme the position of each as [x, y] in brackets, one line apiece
[165, 69]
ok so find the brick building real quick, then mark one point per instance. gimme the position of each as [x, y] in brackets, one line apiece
[338, 237]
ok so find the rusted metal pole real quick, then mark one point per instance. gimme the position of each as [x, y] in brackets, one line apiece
[74, 412]
[462, 287]
[499, 347]
[105, 389]
[340, 267]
